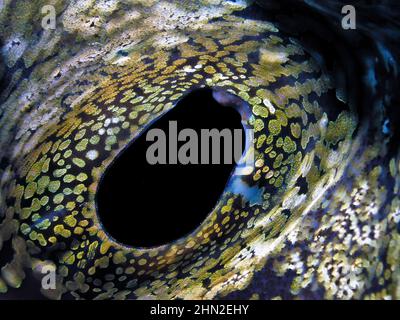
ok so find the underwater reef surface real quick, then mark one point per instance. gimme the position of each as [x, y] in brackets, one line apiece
[317, 217]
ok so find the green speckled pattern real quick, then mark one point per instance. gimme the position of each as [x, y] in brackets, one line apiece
[328, 222]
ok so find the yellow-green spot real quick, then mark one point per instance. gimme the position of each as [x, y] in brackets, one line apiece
[30, 190]
[58, 198]
[54, 186]
[289, 146]
[59, 173]
[82, 145]
[70, 221]
[68, 178]
[119, 257]
[258, 125]
[35, 205]
[79, 162]
[274, 127]
[81, 177]
[260, 111]
[64, 145]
